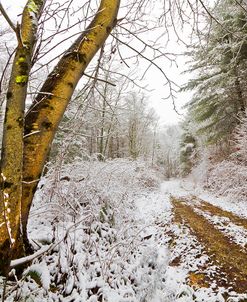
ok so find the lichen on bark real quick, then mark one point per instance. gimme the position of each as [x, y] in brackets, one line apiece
[12, 143]
[21, 79]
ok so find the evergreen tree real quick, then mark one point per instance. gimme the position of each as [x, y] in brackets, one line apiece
[219, 62]
[187, 152]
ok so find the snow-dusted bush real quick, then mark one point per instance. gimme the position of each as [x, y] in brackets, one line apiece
[229, 177]
[199, 172]
[240, 153]
[85, 185]
[86, 212]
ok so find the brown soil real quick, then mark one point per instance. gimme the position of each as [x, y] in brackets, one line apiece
[226, 255]
[205, 206]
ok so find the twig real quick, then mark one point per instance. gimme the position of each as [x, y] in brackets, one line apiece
[6, 17]
[23, 260]
[209, 13]
[5, 68]
[27, 259]
[239, 3]
[35, 180]
[4, 289]
[98, 79]
[18, 34]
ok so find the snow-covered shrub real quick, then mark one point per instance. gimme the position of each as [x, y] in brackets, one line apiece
[240, 153]
[40, 274]
[199, 172]
[86, 212]
[187, 153]
[229, 177]
[84, 185]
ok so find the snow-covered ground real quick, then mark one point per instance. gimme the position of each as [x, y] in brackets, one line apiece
[190, 186]
[123, 249]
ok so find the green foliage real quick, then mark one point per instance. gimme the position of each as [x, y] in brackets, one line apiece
[187, 153]
[220, 64]
[40, 274]
[36, 276]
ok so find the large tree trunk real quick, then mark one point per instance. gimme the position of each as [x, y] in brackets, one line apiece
[41, 123]
[42, 120]
[12, 145]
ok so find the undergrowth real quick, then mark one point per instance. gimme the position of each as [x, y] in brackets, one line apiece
[85, 211]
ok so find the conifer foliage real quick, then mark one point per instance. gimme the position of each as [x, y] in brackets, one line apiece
[219, 60]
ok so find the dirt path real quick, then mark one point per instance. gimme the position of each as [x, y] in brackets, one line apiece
[206, 206]
[229, 258]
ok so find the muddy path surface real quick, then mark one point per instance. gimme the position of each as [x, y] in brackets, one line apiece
[223, 237]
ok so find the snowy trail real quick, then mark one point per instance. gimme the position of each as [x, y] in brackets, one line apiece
[195, 217]
[182, 252]
[151, 256]
[188, 263]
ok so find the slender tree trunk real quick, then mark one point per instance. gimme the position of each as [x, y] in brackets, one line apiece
[111, 125]
[22, 162]
[154, 145]
[117, 145]
[11, 245]
[102, 129]
[133, 139]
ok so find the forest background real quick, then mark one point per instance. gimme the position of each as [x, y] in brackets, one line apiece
[108, 116]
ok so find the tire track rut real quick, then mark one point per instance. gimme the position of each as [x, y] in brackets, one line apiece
[228, 256]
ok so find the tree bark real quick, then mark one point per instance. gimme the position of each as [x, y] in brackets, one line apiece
[42, 120]
[12, 144]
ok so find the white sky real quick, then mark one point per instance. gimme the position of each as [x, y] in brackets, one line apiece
[163, 107]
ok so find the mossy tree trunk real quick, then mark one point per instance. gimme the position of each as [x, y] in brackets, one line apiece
[23, 159]
[12, 145]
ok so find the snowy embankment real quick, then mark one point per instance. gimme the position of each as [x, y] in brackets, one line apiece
[116, 241]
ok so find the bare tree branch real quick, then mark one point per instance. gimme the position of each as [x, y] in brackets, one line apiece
[7, 18]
